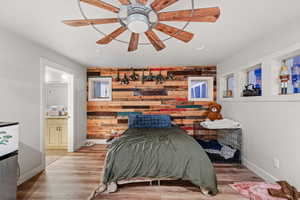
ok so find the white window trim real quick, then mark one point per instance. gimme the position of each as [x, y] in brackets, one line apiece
[210, 91]
[90, 80]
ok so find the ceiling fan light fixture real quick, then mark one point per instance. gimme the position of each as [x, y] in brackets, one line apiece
[143, 16]
[138, 23]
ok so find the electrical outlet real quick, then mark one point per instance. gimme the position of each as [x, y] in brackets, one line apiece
[276, 163]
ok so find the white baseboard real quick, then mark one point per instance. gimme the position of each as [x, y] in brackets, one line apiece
[82, 144]
[98, 141]
[30, 174]
[259, 171]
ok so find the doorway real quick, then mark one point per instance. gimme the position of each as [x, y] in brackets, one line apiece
[57, 133]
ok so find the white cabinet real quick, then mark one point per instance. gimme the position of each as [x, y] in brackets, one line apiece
[57, 133]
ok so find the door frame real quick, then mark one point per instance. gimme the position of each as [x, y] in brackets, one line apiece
[44, 63]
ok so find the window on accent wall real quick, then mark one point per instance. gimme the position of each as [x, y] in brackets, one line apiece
[293, 67]
[100, 89]
[200, 88]
[253, 81]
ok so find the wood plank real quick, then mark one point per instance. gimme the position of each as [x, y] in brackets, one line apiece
[150, 92]
[122, 94]
[121, 103]
[128, 113]
[102, 113]
[93, 74]
[135, 107]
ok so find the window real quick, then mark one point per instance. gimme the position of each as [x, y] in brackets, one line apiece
[254, 77]
[100, 89]
[253, 86]
[293, 71]
[201, 88]
[229, 86]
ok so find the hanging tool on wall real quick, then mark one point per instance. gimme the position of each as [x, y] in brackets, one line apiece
[170, 76]
[118, 77]
[150, 76]
[125, 80]
[143, 77]
[159, 78]
[134, 76]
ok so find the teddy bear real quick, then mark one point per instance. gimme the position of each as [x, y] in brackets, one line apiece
[214, 111]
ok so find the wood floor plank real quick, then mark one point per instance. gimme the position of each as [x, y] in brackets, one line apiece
[76, 175]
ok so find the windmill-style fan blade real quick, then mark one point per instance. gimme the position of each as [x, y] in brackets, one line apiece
[158, 5]
[155, 41]
[134, 42]
[112, 36]
[144, 2]
[86, 22]
[193, 19]
[124, 2]
[175, 32]
[102, 4]
[199, 15]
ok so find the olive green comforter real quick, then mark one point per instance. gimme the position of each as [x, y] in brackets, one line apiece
[159, 153]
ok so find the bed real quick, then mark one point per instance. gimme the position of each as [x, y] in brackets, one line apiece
[159, 152]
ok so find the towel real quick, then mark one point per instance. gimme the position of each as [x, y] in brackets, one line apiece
[221, 124]
[255, 190]
[227, 152]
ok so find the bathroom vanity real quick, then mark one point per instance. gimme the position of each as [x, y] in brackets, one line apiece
[57, 132]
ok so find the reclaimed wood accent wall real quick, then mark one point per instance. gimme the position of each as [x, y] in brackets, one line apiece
[170, 97]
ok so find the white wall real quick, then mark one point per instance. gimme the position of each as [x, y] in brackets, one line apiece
[271, 124]
[20, 95]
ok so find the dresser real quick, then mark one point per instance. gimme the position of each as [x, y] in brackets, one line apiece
[57, 132]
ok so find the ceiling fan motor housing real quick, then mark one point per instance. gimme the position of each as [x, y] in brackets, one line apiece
[138, 18]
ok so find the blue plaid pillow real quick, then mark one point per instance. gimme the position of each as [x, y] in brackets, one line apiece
[149, 121]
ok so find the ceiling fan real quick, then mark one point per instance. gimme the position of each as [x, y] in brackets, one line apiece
[139, 16]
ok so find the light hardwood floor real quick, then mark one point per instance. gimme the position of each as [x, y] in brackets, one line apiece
[75, 176]
[54, 155]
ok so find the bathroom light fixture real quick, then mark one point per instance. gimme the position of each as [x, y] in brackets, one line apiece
[64, 77]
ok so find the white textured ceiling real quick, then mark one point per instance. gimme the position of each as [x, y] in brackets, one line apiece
[241, 23]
